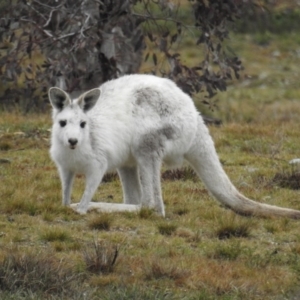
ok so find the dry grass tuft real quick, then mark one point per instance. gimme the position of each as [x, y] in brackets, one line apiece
[231, 225]
[226, 251]
[19, 206]
[159, 270]
[166, 228]
[181, 211]
[101, 221]
[36, 273]
[185, 233]
[185, 173]
[53, 234]
[146, 213]
[100, 257]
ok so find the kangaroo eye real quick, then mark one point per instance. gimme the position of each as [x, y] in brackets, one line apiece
[62, 123]
[82, 124]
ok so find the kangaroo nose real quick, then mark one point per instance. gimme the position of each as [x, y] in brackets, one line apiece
[72, 142]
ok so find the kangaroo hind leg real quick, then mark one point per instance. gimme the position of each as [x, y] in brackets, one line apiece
[148, 156]
[131, 185]
[149, 169]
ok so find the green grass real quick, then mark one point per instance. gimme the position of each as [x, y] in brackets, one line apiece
[54, 234]
[166, 228]
[200, 250]
[101, 222]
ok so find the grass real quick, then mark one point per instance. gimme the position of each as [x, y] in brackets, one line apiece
[166, 228]
[100, 257]
[231, 225]
[54, 234]
[158, 270]
[39, 273]
[226, 251]
[200, 250]
[101, 222]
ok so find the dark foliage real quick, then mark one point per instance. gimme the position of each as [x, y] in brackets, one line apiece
[209, 27]
[77, 45]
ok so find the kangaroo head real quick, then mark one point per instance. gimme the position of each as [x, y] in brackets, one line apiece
[70, 121]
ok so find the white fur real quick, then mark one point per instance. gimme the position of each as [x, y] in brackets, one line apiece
[134, 124]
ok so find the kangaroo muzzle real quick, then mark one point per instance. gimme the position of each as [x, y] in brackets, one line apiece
[72, 143]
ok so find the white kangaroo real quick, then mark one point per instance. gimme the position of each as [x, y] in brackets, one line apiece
[134, 124]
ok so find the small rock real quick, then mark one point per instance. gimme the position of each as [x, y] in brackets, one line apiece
[294, 161]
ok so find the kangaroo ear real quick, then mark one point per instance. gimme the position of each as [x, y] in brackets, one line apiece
[88, 99]
[58, 98]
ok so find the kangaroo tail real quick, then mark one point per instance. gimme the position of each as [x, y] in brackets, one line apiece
[203, 158]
